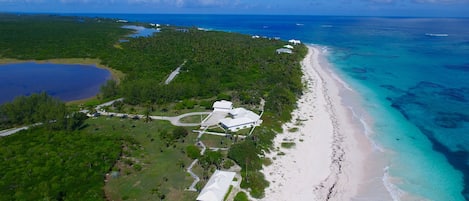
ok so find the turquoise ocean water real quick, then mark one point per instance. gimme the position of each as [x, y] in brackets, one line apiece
[413, 75]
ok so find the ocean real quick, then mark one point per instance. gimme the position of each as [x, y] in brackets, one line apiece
[412, 75]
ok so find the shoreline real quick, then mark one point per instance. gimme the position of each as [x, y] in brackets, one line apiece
[333, 159]
[115, 74]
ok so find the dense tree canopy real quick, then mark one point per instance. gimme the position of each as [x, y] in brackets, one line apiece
[47, 37]
[39, 108]
[39, 164]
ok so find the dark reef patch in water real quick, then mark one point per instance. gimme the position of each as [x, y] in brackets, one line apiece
[462, 67]
[455, 158]
[442, 114]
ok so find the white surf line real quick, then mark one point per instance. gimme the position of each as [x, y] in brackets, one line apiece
[174, 73]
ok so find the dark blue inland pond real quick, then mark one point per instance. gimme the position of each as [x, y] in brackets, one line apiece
[65, 81]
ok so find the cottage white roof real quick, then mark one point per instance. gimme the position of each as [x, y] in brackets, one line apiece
[223, 104]
[288, 46]
[284, 50]
[217, 186]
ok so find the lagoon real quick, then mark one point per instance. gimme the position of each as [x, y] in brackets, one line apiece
[65, 81]
[140, 31]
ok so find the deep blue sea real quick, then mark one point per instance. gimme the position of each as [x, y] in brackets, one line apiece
[65, 81]
[413, 75]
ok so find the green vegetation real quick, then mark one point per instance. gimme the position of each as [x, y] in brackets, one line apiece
[193, 151]
[293, 129]
[217, 141]
[39, 108]
[163, 167]
[40, 164]
[211, 158]
[228, 193]
[288, 145]
[48, 37]
[149, 157]
[241, 196]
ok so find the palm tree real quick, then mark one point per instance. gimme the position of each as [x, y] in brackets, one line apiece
[147, 113]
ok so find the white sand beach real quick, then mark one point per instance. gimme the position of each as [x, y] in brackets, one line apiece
[328, 161]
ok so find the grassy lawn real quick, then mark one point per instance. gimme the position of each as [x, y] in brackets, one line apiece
[216, 141]
[160, 110]
[161, 171]
[193, 119]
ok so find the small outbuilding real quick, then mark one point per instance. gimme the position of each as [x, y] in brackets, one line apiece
[288, 46]
[223, 105]
[217, 186]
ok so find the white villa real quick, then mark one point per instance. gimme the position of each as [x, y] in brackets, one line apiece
[217, 186]
[240, 118]
[232, 119]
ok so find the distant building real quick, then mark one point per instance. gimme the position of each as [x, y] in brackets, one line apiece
[222, 105]
[182, 30]
[240, 118]
[294, 42]
[217, 186]
[284, 50]
[256, 36]
[122, 21]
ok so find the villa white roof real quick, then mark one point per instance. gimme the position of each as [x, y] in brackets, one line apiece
[240, 116]
[223, 104]
[241, 112]
[217, 186]
[288, 46]
[230, 123]
[238, 111]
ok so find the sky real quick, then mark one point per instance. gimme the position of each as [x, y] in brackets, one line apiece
[424, 8]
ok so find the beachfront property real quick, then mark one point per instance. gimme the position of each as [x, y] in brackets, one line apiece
[240, 118]
[232, 119]
[217, 186]
[284, 51]
[294, 42]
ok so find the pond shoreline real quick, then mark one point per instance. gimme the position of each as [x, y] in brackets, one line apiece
[116, 75]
